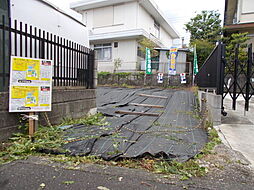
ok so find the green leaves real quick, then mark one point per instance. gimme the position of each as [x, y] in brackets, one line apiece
[203, 48]
[205, 29]
[68, 182]
[22, 146]
[205, 26]
[97, 119]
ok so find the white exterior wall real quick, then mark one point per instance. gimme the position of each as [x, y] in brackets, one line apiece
[126, 51]
[118, 17]
[42, 16]
[145, 20]
[166, 39]
[245, 11]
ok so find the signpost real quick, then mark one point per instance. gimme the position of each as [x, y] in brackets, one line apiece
[30, 87]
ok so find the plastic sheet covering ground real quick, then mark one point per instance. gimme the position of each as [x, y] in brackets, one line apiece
[175, 134]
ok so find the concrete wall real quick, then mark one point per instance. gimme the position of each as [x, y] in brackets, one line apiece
[135, 79]
[43, 16]
[115, 18]
[67, 102]
[212, 103]
[166, 39]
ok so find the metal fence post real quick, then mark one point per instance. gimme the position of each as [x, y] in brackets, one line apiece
[248, 75]
[235, 76]
[91, 69]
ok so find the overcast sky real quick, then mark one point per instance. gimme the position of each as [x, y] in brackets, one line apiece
[178, 12]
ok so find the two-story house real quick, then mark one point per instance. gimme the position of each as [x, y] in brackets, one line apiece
[239, 17]
[116, 26]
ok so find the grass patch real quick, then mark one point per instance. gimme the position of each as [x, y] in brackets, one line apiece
[20, 146]
[184, 169]
[213, 140]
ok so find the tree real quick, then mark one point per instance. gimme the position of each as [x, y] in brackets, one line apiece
[204, 49]
[231, 42]
[236, 39]
[205, 26]
[205, 29]
[147, 43]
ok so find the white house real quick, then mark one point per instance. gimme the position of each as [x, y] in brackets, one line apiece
[44, 15]
[116, 26]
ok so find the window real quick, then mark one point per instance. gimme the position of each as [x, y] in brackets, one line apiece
[156, 29]
[140, 53]
[103, 52]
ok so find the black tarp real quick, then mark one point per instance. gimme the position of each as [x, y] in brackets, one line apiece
[172, 135]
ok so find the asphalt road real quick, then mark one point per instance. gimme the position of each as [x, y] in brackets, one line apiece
[40, 173]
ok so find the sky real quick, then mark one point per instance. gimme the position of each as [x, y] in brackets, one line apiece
[177, 12]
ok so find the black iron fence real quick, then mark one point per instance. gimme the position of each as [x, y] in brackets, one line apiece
[73, 63]
[230, 76]
[210, 75]
[238, 76]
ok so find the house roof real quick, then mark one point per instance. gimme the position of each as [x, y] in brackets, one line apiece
[149, 5]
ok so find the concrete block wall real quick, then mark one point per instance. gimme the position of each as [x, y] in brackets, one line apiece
[138, 80]
[212, 103]
[68, 102]
[8, 121]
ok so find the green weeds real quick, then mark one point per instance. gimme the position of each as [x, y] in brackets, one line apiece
[97, 119]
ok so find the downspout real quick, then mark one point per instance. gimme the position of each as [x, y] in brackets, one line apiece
[239, 10]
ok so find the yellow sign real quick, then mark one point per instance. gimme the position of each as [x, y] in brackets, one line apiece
[29, 93]
[31, 66]
[30, 85]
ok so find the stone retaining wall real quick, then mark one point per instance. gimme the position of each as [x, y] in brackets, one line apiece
[139, 80]
[68, 102]
[212, 103]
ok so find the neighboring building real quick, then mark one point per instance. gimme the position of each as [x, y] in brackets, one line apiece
[116, 26]
[46, 16]
[239, 17]
[182, 66]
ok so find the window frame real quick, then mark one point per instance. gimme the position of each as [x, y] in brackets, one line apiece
[100, 50]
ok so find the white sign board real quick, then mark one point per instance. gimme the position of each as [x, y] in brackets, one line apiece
[183, 78]
[30, 85]
[160, 78]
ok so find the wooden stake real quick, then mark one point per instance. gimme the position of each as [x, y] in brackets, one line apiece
[146, 105]
[137, 113]
[33, 124]
[152, 96]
